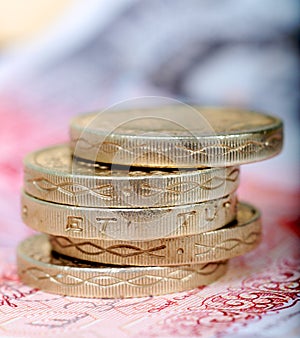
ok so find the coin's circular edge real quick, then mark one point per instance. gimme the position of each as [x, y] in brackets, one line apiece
[107, 282]
[222, 244]
[137, 224]
[63, 186]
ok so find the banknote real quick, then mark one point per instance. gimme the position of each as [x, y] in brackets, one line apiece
[258, 296]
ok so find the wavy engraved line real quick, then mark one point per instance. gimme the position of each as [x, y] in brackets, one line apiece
[217, 147]
[38, 183]
[97, 280]
[233, 242]
[221, 150]
[149, 279]
[211, 267]
[58, 240]
[109, 192]
[171, 189]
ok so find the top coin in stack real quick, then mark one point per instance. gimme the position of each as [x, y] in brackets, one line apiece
[52, 175]
[176, 136]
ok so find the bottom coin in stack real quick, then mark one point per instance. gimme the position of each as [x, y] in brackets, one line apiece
[41, 268]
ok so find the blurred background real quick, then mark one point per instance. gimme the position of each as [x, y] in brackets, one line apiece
[59, 58]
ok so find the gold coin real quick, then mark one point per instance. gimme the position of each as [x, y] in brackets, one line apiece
[52, 175]
[40, 268]
[176, 136]
[127, 224]
[222, 244]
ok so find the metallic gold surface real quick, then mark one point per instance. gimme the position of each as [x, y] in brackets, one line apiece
[222, 244]
[39, 268]
[127, 224]
[171, 137]
[52, 175]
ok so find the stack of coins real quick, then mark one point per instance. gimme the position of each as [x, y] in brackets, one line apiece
[142, 208]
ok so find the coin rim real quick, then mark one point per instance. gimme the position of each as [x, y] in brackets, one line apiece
[165, 286]
[64, 211]
[192, 176]
[171, 245]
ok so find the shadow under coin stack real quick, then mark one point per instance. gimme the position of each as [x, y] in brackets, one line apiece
[160, 216]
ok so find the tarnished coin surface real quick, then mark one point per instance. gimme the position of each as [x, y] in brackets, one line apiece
[222, 244]
[52, 175]
[40, 268]
[127, 223]
[176, 136]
